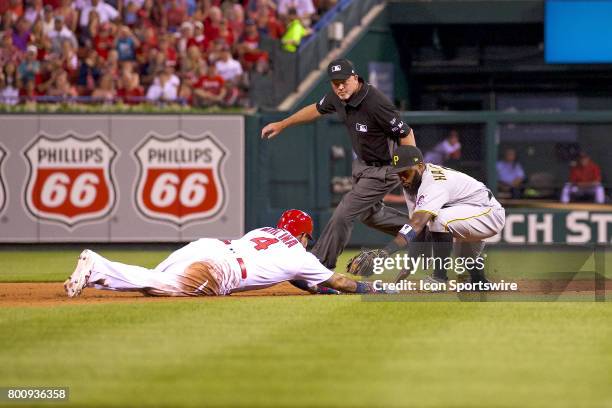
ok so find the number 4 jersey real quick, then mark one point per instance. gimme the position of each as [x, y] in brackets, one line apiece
[261, 258]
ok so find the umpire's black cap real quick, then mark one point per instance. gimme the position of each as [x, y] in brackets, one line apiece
[406, 156]
[340, 69]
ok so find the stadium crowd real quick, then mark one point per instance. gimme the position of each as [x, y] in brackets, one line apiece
[193, 52]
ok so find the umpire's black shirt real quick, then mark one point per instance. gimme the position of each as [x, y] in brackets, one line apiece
[371, 119]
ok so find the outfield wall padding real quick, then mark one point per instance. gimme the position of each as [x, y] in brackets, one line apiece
[121, 178]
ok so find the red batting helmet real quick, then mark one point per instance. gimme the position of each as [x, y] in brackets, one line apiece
[296, 222]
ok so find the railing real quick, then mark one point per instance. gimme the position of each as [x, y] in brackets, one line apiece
[88, 100]
[289, 69]
[126, 104]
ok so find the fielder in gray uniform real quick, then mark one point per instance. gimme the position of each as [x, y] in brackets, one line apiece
[446, 201]
[375, 128]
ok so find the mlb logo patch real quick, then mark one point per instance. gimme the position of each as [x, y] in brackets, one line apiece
[420, 201]
[361, 128]
[336, 68]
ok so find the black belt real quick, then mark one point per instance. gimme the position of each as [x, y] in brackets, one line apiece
[378, 163]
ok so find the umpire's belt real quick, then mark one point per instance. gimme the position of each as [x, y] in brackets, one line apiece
[378, 163]
[243, 270]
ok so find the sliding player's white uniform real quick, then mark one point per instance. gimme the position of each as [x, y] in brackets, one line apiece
[459, 204]
[261, 258]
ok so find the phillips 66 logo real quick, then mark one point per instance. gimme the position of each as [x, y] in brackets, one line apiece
[180, 178]
[70, 179]
[3, 198]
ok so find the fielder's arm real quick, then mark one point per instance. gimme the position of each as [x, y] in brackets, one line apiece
[409, 232]
[304, 115]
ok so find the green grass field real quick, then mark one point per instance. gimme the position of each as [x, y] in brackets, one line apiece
[306, 351]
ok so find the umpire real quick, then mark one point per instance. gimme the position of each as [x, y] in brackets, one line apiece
[374, 127]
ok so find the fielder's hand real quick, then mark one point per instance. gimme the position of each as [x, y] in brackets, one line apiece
[362, 264]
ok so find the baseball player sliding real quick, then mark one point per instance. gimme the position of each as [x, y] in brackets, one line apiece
[211, 267]
[446, 200]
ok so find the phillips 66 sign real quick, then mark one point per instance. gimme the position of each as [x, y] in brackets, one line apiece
[180, 178]
[69, 179]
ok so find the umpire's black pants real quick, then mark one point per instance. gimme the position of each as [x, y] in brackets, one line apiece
[364, 201]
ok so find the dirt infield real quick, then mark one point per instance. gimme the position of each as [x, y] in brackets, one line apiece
[52, 294]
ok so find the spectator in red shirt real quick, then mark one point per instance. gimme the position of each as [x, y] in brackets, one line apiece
[212, 23]
[176, 13]
[8, 52]
[232, 94]
[150, 37]
[225, 33]
[104, 41]
[584, 179]
[198, 39]
[147, 14]
[249, 51]
[29, 93]
[130, 91]
[15, 9]
[235, 19]
[167, 49]
[255, 6]
[89, 33]
[52, 3]
[148, 45]
[209, 89]
[269, 25]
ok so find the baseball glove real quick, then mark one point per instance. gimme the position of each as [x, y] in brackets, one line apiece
[362, 264]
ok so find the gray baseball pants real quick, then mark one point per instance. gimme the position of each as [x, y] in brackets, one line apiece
[363, 202]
